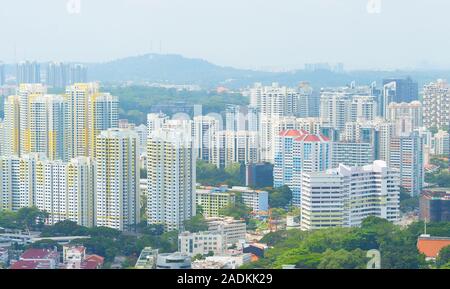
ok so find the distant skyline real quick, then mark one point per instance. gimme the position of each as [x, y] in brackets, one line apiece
[255, 34]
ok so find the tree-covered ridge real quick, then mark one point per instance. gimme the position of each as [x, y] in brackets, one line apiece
[345, 248]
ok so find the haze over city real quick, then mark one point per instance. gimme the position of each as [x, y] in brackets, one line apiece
[226, 134]
[253, 34]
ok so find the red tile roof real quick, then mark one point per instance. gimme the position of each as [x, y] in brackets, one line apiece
[303, 135]
[29, 265]
[95, 258]
[430, 246]
[36, 254]
[290, 133]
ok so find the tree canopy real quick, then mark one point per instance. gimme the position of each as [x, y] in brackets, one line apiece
[208, 174]
[196, 224]
[339, 248]
[279, 197]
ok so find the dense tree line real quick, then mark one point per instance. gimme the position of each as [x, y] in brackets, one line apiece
[210, 175]
[337, 248]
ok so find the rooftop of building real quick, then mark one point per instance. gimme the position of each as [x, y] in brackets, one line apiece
[437, 194]
[431, 246]
[187, 233]
[29, 265]
[95, 258]
[207, 264]
[376, 166]
[36, 254]
[228, 220]
[78, 249]
[303, 135]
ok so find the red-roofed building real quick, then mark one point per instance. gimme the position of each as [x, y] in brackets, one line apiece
[75, 258]
[290, 133]
[39, 258]
[31, 265]
[431, 246]
[95, 259]
[297, 152]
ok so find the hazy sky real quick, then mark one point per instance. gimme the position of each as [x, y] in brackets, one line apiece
[240, 33]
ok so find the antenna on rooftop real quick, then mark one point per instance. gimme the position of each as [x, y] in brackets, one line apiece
[425, 226]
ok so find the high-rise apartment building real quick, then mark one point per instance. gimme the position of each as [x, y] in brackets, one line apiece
[81, 180]
[171, 175]
[436, 105]
[205, 132]
[104, 112]
[405, 116]
[78, 74]
[11, 126]
[441, 143]
[235, 147]
[337, 108]
[377, 132]
[28, 72]
[155, 121]
[2, 74]
[271, 127]
[46, 124]
[405, 89]
[407, 156]
[297, 152]
[353, 154]
[27, 92]
[59, 74]
[10, 179]
[117, 180]
[345, 196]
[88, 113]
[64, 190]
[273, 100]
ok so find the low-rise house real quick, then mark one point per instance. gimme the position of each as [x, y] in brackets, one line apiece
[202, 243]
[37, 259]
[234, 230]
[75, 257]
[147, 259]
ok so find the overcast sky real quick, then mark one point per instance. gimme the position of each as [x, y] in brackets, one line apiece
[240, 33]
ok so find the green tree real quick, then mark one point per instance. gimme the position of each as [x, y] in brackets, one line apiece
[31, 218]
[198, 257]
[444, 257]
[236, 210]
[65, 228]
[407, 202]
[342, 259]
[196, 224]
[8, 220]
[279, 197]
[46, 244]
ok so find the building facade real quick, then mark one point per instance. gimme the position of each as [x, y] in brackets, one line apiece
[117, 180]
[345, 196]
